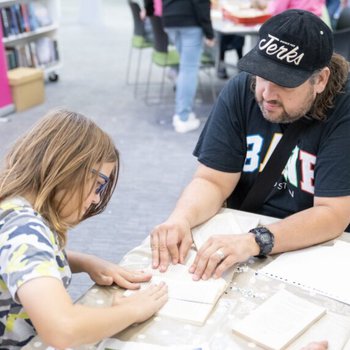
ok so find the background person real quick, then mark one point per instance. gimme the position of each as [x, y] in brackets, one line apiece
[277, 6]
[187, 23]
[293, 75]
[60, 173]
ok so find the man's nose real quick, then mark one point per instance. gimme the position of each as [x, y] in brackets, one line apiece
[270, 90]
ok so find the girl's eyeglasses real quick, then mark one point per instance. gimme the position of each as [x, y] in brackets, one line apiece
[103, 186]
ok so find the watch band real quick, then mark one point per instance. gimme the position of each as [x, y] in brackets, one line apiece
[264, 239]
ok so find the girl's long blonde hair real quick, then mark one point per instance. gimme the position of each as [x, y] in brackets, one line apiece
[59, 153]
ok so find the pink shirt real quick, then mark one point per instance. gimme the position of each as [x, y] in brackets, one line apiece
[157, 7]
[314, 6]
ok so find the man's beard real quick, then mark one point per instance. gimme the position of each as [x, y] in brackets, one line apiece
[284, 117]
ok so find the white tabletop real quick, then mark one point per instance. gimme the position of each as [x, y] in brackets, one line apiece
[246, 291]
[225, 26]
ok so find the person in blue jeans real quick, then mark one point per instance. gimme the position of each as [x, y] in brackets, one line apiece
[187, 22]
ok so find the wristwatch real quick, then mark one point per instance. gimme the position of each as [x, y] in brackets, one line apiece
[265, 240]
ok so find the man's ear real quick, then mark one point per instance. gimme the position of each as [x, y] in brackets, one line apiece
[321, 80]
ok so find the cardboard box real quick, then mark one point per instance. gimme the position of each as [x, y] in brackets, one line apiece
[27, 87]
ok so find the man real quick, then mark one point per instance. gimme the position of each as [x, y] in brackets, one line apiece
[293, 75]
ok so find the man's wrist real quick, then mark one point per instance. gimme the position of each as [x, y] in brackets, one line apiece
[265, 240]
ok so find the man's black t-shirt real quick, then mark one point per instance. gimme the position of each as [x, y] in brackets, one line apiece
[237, 138]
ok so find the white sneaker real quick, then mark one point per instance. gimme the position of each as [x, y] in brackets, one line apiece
[192, 123]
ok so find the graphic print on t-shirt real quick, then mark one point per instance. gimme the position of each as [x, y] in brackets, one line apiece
[299, 170]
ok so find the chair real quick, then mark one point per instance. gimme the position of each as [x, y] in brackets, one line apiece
[342, 34]
[163, 57]
[344, 19]
[139, 42]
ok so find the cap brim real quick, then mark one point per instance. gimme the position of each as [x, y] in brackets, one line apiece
[257, 64]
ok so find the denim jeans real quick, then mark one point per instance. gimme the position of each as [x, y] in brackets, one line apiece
[189, 43]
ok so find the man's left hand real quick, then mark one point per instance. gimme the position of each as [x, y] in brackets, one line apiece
[220, 252]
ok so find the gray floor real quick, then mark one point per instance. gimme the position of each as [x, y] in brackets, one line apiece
[156, 162]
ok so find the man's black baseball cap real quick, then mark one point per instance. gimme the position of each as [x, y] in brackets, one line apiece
[292, 45]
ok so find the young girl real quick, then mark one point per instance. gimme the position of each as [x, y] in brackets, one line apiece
[60, 173]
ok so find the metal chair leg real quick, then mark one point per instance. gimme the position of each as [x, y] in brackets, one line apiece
[212, 87]
[137, 77]
[148, 82]
[129, 66]
[161, 95]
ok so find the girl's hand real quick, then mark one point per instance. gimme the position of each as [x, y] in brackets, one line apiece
[147, 301]
[106, 273]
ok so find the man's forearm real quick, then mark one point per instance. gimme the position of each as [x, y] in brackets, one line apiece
[308, 227]
[200, 200]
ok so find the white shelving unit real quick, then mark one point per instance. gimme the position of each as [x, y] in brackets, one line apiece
[49, 31]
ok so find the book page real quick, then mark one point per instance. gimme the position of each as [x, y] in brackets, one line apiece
[189, 300]
[181, 285]
[316, 268]
[187, 311]
[278, 321]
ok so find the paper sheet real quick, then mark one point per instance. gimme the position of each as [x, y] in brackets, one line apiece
[322, 269]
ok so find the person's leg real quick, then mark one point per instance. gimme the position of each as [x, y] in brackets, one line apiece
[189, 44]
[221, 68]
[229, 42]
[174, 39]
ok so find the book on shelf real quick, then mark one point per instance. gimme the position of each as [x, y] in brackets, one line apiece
[24, 18]
[33, 22]
[41, 13]
[5, 22]
[39, 53]
[19, 18]
[189, 301]
[11, 61]
[280, 320]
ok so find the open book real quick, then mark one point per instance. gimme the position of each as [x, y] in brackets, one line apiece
[190, 301]
[278, 321]
[320, 269]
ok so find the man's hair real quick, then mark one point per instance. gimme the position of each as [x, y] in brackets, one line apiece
[59, 153]
[339, 71]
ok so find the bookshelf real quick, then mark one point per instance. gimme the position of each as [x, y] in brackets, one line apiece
[6, 105]
[30, 34]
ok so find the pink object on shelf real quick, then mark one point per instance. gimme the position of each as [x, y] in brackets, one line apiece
[5, 91]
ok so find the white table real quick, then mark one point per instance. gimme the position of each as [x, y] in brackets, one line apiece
[223, 27]
[245, 292]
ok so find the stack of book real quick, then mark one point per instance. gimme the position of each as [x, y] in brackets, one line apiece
[28, 20]
[23, 18]
[40, 53]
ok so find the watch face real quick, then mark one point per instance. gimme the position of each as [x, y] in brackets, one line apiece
[265, 238]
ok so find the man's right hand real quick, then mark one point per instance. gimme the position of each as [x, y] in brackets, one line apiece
[170, 242]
